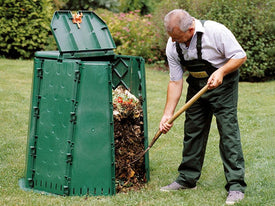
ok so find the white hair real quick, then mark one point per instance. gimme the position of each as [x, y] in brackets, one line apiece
[179, 18]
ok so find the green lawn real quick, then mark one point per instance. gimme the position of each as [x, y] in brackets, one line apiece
[257, 124]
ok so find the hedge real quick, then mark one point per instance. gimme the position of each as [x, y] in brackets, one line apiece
[251, 21]
[25, 26]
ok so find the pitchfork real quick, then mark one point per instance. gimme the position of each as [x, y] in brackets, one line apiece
[173, 118]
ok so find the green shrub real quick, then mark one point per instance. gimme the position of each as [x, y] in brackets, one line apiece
[145, 6]
[25, 26]
[158, 15]
[125, 6]
[133, 34]
[111, 5]
[251, 21]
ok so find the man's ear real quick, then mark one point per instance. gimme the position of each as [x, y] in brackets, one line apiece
[191, 29]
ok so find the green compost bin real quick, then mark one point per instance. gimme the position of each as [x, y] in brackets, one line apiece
[70, 148]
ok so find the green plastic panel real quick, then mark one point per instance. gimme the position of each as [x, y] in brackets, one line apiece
[129, 71]
[52, 128]
[33, 116]
[48, 54]
[93, 169]
[91, 38]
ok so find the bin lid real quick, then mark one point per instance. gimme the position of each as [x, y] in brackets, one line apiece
[82, 34]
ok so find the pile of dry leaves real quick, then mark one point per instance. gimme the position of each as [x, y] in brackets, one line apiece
[129, 140]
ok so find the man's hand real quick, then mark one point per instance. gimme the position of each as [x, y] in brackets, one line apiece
[164, 127]
[215, 79]
[173, 95]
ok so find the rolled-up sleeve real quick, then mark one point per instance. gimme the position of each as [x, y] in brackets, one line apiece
[229, 45]
[175, 68]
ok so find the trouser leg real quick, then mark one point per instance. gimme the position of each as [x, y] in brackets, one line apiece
[196, 130]
[225, 110]
[222, 101]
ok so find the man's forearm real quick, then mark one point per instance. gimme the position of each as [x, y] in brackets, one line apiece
[216, 78]
[232, 65]
[174, 91]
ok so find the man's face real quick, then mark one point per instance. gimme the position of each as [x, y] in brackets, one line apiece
[181, 37]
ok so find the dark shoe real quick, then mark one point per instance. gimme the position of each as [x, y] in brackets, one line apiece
[233, 197]
[174, 187]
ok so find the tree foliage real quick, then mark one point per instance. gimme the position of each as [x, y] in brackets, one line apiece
[111, 5]
[25, 27]
[144, 6]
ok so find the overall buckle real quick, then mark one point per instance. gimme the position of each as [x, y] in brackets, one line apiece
[199, 75]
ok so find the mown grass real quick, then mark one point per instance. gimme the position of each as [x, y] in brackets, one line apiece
[256, 118]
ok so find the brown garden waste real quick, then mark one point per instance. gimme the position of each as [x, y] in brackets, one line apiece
[129, 140]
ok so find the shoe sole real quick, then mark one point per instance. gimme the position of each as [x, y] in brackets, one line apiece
[231, 202]
[165, 190]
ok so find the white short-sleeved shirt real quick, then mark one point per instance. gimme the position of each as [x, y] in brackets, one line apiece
[218, 46]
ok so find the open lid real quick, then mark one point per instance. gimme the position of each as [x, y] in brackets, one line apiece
[81, 35]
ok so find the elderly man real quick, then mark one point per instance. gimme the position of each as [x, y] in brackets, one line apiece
[212, 56]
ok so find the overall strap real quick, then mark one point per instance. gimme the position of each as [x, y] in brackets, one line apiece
[179, 51]
[199, 47]
[199, 36]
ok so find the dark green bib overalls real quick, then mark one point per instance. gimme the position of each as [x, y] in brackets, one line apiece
[221, 102]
